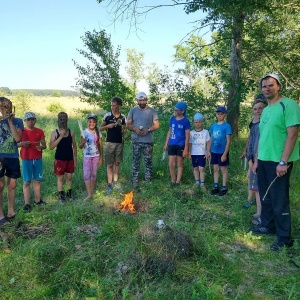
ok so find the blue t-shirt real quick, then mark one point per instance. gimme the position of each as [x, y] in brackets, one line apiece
[218, 137]
[177, 131]
[8, 146]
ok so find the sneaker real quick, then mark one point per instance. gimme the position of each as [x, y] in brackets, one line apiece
[223, 192]
[109, 189]
[261, 230]
[276, 246]
[27, 208]
[215, 191]
[40, 203]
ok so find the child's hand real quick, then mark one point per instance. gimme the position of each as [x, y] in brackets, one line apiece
[25, 144]
[39, 148]
[223, 158]
[185, 153]
[62, 131]
[100, 164]
[207, 155]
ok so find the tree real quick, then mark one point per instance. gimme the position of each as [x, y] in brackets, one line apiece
[135, 67]
[56, 94]
[100, 80]
[22, 101]
[5, 91]
[233, 21]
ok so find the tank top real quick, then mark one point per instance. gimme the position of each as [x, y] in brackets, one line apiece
[64, 149]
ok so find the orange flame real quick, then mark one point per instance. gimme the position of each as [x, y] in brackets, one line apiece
[127, 204]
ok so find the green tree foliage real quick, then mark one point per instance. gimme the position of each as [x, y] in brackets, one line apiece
[253, 38]
[5, 91]
[56, 94]
[22, 101]
[135, 67]
[100, 80]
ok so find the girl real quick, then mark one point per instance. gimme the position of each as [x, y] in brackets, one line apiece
[91, 142]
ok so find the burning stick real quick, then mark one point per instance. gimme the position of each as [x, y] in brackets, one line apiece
[80, 127]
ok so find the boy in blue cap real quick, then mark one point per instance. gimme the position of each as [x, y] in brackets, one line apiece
[177, 141]
[199, 141]
[221, 137]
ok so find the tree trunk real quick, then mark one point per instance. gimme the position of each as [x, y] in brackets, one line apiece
[234, 93]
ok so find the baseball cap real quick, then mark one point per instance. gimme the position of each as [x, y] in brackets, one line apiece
[92, 116]
[141, 95]
[221, 109]
[29, 115]
[198, 116]
[273, 75]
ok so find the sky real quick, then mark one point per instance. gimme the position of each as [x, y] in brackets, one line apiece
[39, 39]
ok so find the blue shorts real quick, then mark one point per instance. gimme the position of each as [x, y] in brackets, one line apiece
[198, 161]
[175, 150]
[32, 169]
[10, 168]
[215, 159]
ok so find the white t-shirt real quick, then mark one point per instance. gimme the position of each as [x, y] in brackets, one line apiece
[90, 149]
[198, 139]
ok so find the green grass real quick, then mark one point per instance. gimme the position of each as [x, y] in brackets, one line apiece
[90, 250]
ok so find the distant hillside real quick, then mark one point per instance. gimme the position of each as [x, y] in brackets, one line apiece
[63, 93]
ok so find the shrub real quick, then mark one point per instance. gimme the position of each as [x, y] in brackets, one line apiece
[55, 107]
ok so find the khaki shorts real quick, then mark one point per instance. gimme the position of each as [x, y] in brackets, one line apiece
[113, 152]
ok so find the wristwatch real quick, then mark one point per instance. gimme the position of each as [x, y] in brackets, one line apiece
[282, 163]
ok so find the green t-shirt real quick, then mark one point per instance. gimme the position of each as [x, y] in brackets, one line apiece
[273, 130]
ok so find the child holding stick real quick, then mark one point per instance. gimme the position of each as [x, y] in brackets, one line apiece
[32, 144]
[63, 139]
[91, 143]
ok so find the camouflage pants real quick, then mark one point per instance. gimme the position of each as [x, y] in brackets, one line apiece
[137, 150]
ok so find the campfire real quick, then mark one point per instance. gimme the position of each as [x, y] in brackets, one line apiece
[127, 204]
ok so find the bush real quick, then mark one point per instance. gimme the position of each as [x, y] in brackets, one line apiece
[55, 107]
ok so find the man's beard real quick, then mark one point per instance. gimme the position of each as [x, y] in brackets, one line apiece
[142, 105]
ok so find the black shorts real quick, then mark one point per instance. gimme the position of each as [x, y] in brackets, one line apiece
[10, 168]
[175, 150]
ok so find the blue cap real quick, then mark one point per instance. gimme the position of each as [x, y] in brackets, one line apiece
[182, 106]
[198, 116]
[221, 109]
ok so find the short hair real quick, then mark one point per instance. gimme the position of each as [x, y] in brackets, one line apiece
[117, 100]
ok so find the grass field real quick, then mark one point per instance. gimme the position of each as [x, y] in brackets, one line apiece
[92, 250]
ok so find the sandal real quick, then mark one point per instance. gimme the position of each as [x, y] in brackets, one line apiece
[3, 221]
[249, 203]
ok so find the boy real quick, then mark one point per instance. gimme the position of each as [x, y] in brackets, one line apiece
[199, 142]
[177, 141]
[10, 134]
[32, 144]
[114, 123]
[221, 137]
[63, 140]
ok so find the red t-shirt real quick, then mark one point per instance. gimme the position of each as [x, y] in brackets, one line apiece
[34, 136]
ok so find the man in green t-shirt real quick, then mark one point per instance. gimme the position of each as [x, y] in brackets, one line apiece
[277, 150]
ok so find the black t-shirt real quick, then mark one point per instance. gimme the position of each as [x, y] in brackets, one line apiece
[114, 135]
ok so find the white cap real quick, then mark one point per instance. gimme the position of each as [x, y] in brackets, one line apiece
[141, 95]
[273, 75]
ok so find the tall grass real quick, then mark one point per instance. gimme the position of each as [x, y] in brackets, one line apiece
[90, 250]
